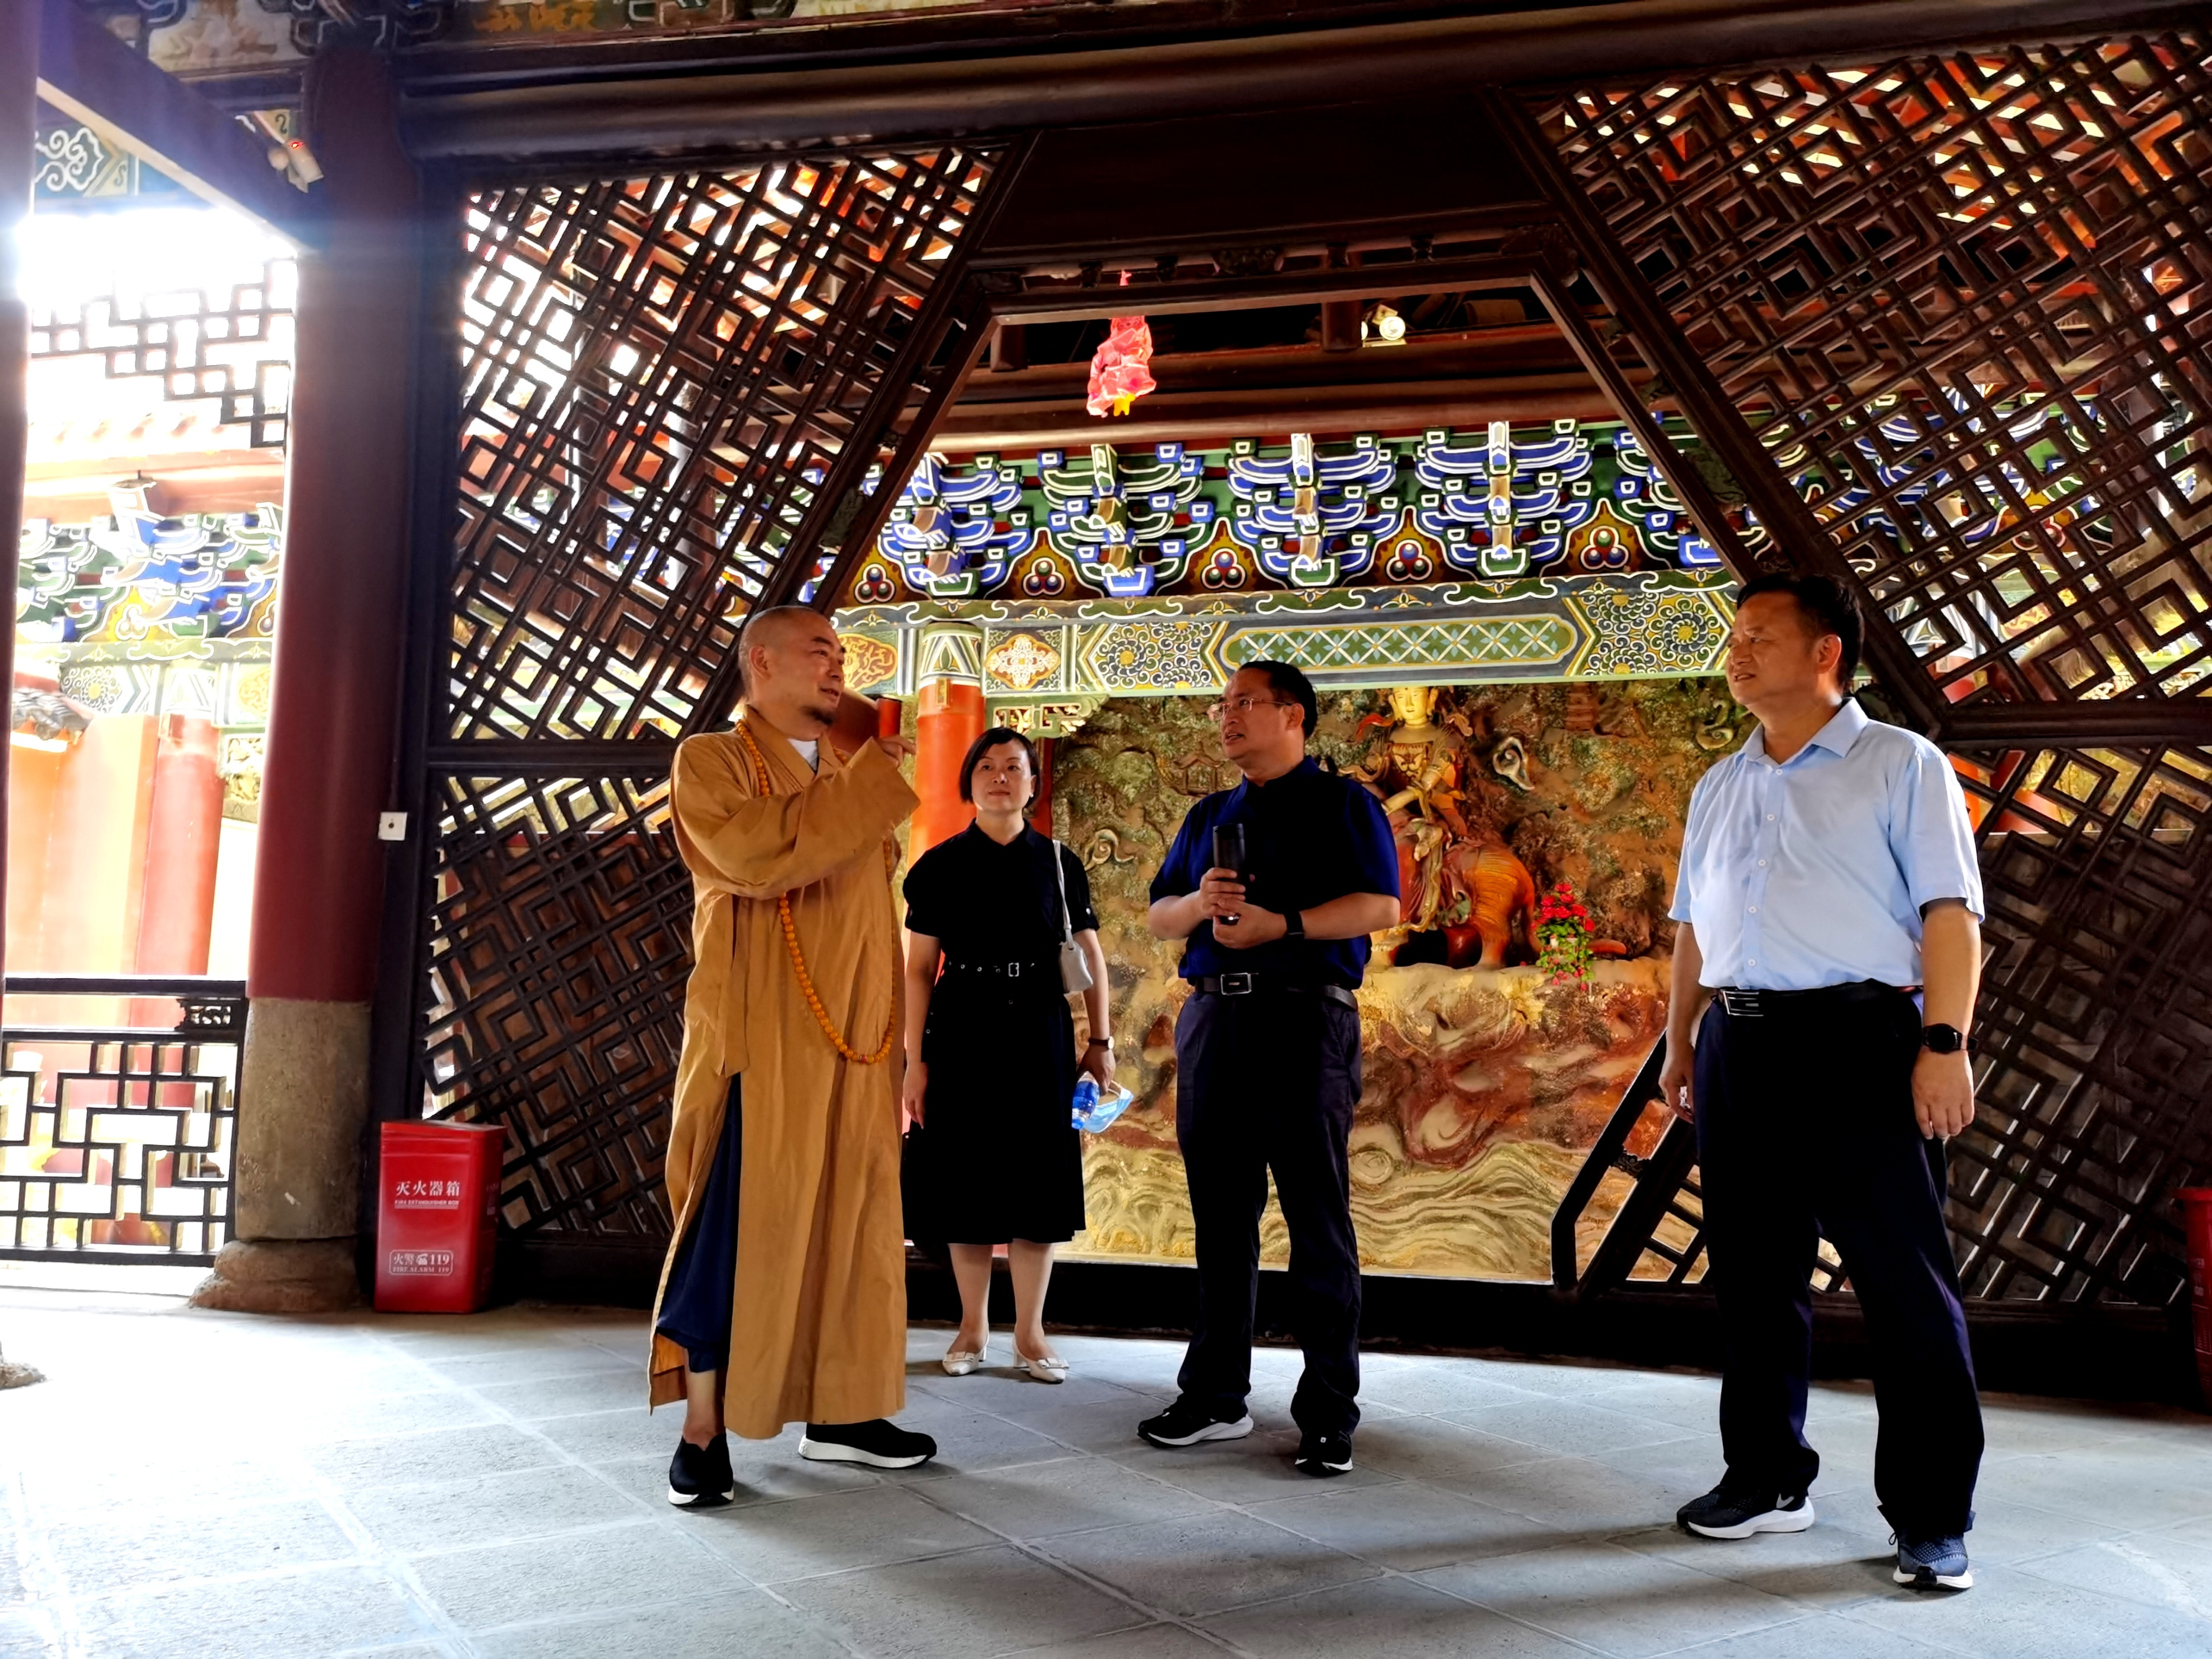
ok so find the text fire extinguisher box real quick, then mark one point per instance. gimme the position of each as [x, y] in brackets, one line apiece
[437, 1217]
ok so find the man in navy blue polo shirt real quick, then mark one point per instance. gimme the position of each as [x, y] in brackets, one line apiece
[1268, 1057]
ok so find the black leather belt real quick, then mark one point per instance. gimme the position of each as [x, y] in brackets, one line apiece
[1738, 1003]
[1245, 985]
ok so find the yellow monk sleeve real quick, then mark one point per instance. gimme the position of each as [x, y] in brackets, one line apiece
[760, 846]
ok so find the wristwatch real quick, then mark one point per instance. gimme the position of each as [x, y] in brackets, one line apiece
[1942, 1039]
[1294, 925]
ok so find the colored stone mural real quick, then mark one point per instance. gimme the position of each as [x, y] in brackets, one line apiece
[1485, 1085]
[1560, 499]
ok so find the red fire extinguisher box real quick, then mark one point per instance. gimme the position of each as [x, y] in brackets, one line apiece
[437, 1216]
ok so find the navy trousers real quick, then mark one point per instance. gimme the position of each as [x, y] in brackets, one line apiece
[1265, 1082]
[1805, 1129]
[695, 1308]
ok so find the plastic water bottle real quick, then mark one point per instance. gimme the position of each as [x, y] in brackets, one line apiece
[1094, 1112]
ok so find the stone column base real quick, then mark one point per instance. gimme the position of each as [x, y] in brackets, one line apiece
[282, 1276]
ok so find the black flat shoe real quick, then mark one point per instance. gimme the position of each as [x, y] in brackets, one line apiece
[700, 1477]
[879, 1442]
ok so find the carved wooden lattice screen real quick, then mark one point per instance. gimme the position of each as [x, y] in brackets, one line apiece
[1948, 320]
[671, 384]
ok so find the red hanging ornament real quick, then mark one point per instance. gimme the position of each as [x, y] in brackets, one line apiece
[1121, 370]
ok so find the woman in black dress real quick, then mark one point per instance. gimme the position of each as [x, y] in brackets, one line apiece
[990, 1063]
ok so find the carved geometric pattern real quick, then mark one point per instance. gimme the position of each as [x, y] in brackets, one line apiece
[1961, 304]
[560, 944]
[1966, 305]
[121, 1142]
[2095, 1019]
[659, 375]
[1475, 643]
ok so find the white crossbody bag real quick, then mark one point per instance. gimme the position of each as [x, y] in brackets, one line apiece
[1074, 970]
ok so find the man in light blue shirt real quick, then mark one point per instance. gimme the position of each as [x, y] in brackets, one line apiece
[1827, 875]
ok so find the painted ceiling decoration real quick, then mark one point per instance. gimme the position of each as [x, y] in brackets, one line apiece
[1498, 504]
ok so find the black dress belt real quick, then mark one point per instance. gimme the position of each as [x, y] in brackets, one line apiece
[1245, 985]
[1741, 1004]
[1004, 969]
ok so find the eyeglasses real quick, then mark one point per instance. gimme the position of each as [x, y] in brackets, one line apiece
[1218, 712]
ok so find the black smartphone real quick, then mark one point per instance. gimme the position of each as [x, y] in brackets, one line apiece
[1228, 853]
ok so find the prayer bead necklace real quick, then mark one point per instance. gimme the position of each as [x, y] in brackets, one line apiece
[791, 940]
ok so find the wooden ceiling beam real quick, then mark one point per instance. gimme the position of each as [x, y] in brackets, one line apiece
[709, 109]
[91, 76]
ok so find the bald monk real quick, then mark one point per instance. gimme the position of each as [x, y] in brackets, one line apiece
[784, 1296]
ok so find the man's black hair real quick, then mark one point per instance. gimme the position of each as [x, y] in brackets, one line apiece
[982, 746]
[1288, 680]
[1828, 605]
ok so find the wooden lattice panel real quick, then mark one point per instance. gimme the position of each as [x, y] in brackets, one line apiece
[659, 376]
[1962, 300]
[2096, 1018]
[560, 919]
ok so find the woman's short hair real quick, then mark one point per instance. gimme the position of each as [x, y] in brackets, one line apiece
[983, 745]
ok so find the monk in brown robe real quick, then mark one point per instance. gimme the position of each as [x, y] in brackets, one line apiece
[784, 1297]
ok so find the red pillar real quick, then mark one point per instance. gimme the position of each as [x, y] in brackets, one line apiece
[318, 873]
[319, 877]
[948, 717]
[1041, 808]
[19, 99]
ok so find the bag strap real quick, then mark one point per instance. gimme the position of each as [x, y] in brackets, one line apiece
[1059, 870]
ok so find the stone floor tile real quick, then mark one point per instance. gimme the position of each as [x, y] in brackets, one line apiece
[1008, 1392]
[1682, 1469]
[433, 1456]
[59, 1481]
[810, 1536]
[612, 1437]
[1569, 1428]
[969, 1439]
[1037, 1500]
[539, 1364]
[281, 1616]
[1818, 1636]
[573, 1395]
[1574, 1494]
[1617, 1599]
[2010, 1615]
[392, 1413]
[130, 1546]
[1105, 1425]
[1435, 1448]
[743, 1622]
[1827, 1567]
[960, 1607]
[490, 1509]
[1161, 1641]
[1414, 1384]
[2139, 1484]
[2156, 1569]
[1248, 1471]
[1687, 1402]
[30, 1633]
[1383, 1618]
[1407, 1526]
[635, 1564]
[1203, 1564]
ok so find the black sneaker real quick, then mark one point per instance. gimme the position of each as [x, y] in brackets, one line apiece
[1730, 1510]
[699, 1477]
[1932, 1563]
[1185, 1425]
[878, 1443]
[1323, 1455]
